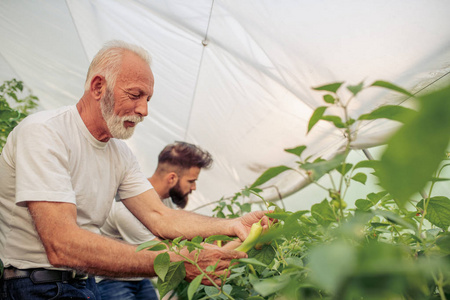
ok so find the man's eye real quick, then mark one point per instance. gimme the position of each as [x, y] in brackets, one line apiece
[132, 96]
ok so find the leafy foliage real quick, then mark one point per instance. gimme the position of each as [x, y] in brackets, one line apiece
[14, 107]
[387, 246]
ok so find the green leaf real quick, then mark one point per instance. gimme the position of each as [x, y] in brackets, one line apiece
[177, 240]
[211, 239]
[415, 151]
[438, 211]
[355, 89]
[376, 197]
[264, 256]
[350, 122]
[296, 151]
[212, 292]
[372, 164]
[344, 168]
[396, 219]
[210, 269]
[192, 246]
[318, 169]
[286, 215]
[323, 213]
[391, 86]
[360, 177]
[269, 174]
[9, 114]
[316, 116]
[391, 112]
[159, 247]
[333, 87]
[161, 265]
[282, 215]
[363, 204]
[197, 240]
[272, 285]
[329, 99]
[337, 121]
[296, 262]
[331, 264]
[149, 245]
[193, 286]
[252, 261]
[174, 277]
[14, 96]
[443, 242]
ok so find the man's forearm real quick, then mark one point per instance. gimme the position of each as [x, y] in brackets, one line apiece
[170, 223]
[95, 254]
[69, 246]
[189, 225]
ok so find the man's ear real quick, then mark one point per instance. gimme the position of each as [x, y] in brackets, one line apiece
[98, 85]
[172, 179]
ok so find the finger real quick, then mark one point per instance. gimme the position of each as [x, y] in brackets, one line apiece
[237, 254]
[232, 244]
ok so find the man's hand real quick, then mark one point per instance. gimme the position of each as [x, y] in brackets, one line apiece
[210, 256]
[244, 223]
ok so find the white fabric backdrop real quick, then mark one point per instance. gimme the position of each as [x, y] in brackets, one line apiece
[234, 76]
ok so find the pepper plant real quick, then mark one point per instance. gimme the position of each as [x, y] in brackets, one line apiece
[15, 104]
[388, 246]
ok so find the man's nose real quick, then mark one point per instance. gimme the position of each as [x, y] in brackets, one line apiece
[141, 107]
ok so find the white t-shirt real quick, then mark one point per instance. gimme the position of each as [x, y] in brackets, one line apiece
[51, 156]
[122, 224]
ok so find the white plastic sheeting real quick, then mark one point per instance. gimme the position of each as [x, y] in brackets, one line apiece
[234, 76]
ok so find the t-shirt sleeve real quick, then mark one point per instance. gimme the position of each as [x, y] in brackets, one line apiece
[42, 168]
[134, 181]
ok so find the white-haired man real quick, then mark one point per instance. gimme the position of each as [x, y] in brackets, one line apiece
[59, 173]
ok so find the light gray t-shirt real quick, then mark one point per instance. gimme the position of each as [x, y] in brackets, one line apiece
[52, 156]
[122, 224]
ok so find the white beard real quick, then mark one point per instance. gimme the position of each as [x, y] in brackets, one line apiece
[115, 123]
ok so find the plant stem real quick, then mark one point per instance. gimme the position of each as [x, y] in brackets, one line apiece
[204, 274]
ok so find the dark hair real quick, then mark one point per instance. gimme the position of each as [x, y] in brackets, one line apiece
[185, 156]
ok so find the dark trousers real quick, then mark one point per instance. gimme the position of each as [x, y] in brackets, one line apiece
[25, 289]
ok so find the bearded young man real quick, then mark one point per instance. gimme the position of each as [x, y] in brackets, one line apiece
[179, 166]
[59, 173]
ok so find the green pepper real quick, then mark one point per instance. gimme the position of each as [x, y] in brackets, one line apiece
[250, 241]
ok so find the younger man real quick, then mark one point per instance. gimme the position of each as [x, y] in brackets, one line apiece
[179, 166]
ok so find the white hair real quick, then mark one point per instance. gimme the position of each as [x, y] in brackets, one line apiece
[107, 61]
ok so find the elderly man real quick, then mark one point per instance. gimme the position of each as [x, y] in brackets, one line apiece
[59, 173]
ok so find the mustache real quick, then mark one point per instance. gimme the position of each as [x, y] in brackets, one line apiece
[135, 119]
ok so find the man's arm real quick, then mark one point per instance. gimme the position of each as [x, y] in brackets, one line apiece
[69, 246]
[170, 223]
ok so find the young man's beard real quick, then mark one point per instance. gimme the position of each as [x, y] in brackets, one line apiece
[114, 122]
[178, 197]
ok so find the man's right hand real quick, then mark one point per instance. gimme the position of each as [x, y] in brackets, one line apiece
[209, 256]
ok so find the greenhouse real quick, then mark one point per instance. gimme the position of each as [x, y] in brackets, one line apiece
[332, 117]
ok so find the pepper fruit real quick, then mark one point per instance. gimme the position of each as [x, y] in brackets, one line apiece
[250, 241]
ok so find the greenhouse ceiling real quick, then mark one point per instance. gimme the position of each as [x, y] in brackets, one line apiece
[235, 77]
